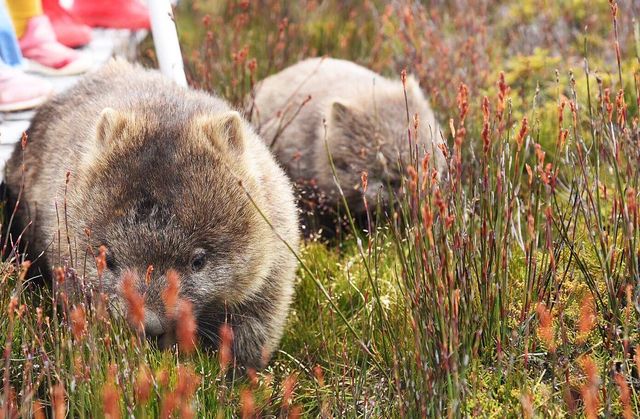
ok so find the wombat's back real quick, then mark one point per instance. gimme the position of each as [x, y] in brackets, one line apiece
[319, 78]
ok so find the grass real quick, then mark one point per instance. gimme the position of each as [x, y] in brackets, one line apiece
[511, 288]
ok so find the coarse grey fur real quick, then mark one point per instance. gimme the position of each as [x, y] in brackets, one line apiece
[366, 126]
[155, 172]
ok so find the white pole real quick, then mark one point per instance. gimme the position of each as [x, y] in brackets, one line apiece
[165, 39]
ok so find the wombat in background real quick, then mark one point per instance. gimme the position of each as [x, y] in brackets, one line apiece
[161, 175]
[366, 128]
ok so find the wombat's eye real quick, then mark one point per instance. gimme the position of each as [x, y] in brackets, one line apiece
[111, 261]
[199, 260]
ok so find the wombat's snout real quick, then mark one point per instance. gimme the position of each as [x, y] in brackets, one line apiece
[156, 332]
[152, 325]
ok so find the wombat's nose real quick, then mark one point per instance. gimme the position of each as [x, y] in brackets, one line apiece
[152, 325]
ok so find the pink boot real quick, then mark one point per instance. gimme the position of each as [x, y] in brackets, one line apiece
[69, 30]
[20, 91]
[45, 55]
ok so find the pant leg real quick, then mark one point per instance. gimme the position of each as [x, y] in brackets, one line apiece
[23, 10]
[9, 48]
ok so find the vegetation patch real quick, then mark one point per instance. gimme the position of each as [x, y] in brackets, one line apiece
[509, 288]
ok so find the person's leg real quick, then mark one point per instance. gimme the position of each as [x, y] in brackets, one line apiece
[22, 11]
[9, 48]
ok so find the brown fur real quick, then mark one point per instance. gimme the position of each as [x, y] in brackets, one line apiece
[366, 126]
[155, 174]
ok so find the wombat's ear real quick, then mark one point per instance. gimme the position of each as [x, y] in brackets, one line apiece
[341, 114]
[413, 86]
[412, 81]
[112, 124]
[224, 130]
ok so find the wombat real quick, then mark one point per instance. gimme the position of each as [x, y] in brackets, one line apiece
[164, 176]
[366, 127]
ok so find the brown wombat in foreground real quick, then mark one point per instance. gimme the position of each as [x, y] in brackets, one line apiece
[366, 127]
[161, 175]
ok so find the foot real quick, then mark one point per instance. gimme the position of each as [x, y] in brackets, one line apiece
[45, 55]
[68, 29]
[117, 14]
[20, 91]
